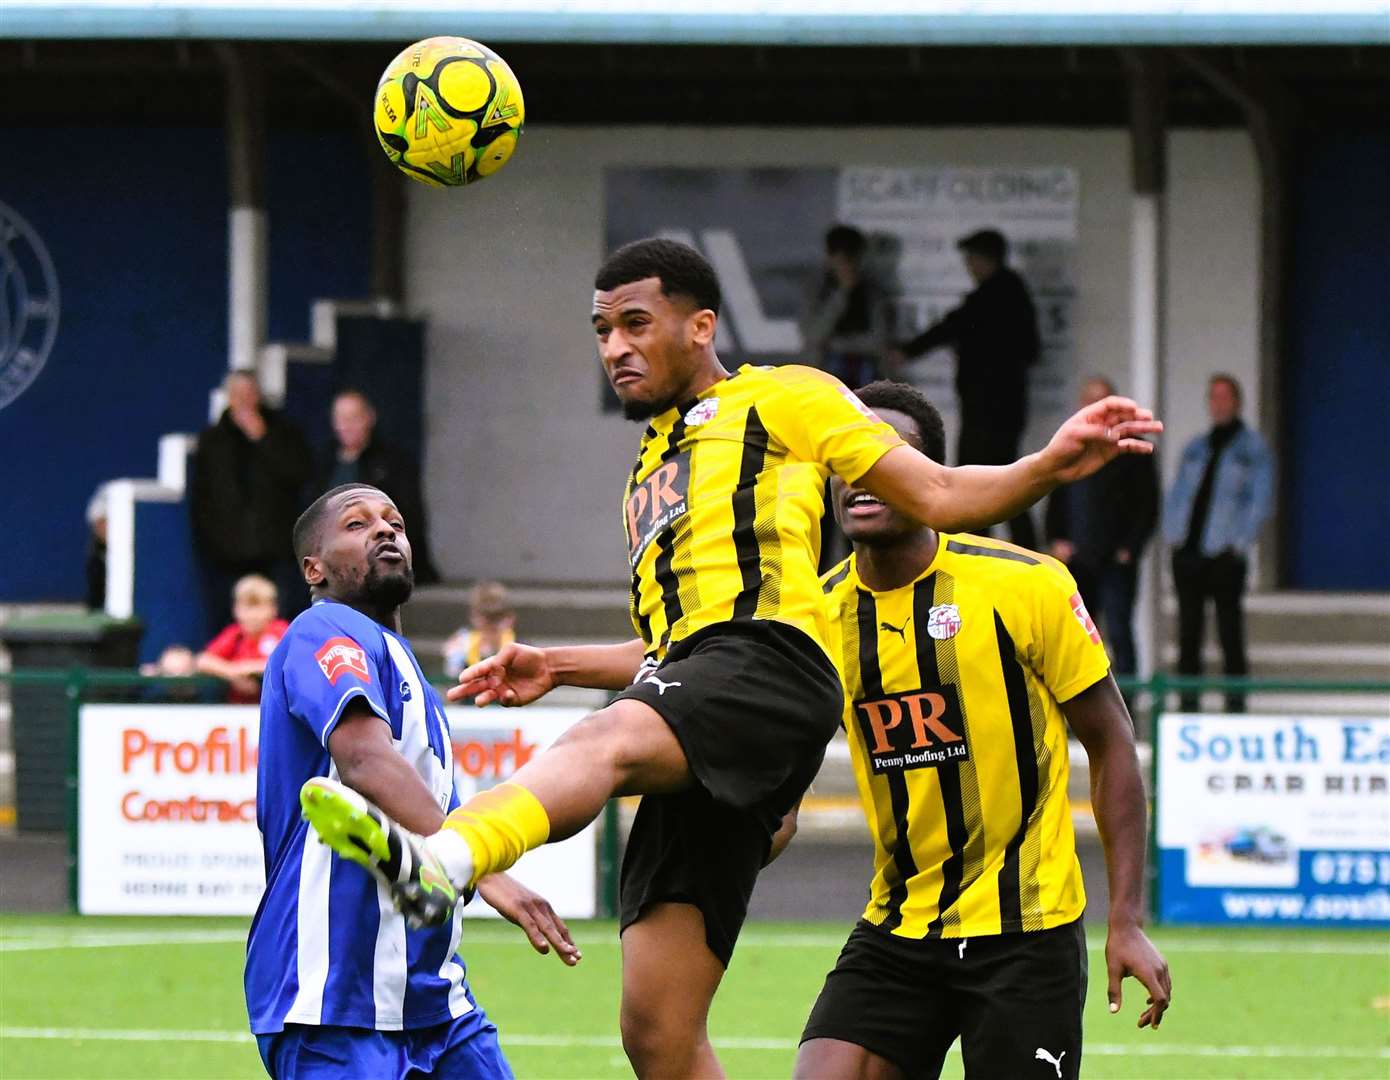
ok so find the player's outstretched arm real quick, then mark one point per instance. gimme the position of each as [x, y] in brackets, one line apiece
[974, 496]
[369, 763]
[1100, 720]
[532, 912]
[520, 674]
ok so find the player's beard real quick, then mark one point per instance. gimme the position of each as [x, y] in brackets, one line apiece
[387, 588]
[637, 411]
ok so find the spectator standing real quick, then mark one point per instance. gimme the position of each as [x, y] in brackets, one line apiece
[239, 653]
[1098, 527]
[846, 323]
[1212, 515]
[491, 625]
[358, 455]
[249, 475]
[995, 336]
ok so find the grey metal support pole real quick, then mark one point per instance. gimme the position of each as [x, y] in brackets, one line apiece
[1148, 141]
[247, 276]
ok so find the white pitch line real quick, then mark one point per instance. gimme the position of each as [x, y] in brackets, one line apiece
[120, 940]
[754, 939]
[1148, 1049]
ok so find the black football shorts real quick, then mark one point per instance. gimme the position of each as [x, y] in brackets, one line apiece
[753, 705]
[1014, 1001]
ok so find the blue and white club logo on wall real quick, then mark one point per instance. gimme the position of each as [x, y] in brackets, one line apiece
[28, 305]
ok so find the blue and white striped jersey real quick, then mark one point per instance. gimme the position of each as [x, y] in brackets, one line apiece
[326, 946]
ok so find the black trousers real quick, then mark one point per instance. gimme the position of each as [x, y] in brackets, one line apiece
[1220, 578]
[989, 444]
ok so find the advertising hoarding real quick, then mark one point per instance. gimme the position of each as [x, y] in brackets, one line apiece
[167, 807]
[1274, 820]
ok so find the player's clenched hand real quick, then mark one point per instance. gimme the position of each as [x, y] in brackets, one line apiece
[1129, 952]
[517, 675]
[1098, 434]
[533, 913]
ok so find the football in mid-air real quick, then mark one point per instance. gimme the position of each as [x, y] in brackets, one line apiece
[448, 111]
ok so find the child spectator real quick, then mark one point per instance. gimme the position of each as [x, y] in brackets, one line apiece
[238, 654]
[491, 625]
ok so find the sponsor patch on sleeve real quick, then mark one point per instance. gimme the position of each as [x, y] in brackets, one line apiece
[1078, 608]
[863, 409]
[341, 656]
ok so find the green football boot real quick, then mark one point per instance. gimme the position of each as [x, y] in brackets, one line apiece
[357, 830]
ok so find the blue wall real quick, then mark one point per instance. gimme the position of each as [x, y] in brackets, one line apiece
[1338, 387]
[136, 221]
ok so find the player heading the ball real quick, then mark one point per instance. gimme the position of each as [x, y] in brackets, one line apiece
[729, 692]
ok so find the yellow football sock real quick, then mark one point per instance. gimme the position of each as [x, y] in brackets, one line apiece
[499, 825]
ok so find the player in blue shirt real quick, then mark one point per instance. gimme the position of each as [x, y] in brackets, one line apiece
[337, 984]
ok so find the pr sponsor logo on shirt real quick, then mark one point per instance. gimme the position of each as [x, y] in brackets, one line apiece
[1078, 608]
[918, 729]
[655, 503]
[341, 656]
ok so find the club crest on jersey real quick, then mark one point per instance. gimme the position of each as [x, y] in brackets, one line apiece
[1078, 608]
[341, 656]
[943, 622]
[702, 412]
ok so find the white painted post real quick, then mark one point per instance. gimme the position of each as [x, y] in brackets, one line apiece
[1146, 275]
[1148, 140]
[247, 285]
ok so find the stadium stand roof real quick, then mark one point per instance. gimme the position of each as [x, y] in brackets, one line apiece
[719, 22]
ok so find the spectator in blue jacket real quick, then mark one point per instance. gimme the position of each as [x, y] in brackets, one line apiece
[1212, 515]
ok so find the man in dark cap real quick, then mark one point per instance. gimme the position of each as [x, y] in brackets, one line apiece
[995, 336]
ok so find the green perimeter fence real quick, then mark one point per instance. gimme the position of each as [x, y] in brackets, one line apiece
[80, 684]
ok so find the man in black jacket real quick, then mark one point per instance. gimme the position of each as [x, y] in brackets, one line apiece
[1098, 527]
[995, 336]
[358, 455]
[249, 474]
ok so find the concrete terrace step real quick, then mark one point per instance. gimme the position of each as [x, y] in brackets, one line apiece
[1338, 661]
[1304, 616]
[558, 612]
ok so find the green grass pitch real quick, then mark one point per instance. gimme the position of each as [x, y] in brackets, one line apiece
[148, 999]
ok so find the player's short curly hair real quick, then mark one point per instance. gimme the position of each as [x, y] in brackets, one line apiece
[911, 402]
[683, 271]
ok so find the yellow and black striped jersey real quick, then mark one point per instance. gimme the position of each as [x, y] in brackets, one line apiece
[959, 748]
[723, 508]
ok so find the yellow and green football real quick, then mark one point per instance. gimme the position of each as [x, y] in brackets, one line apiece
[448, 111]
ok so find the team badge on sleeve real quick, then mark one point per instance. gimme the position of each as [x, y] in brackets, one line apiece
[1078, 608]
[341, 656]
